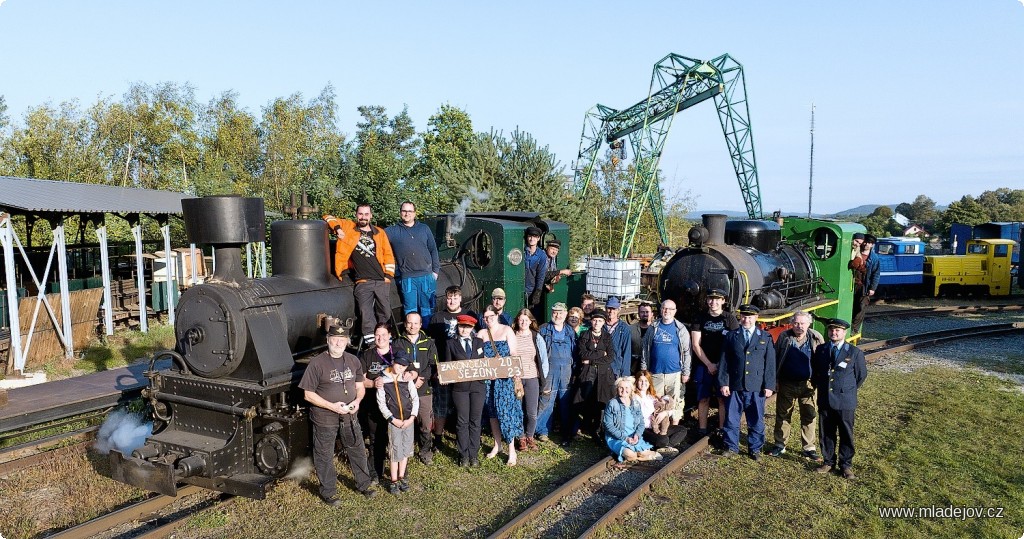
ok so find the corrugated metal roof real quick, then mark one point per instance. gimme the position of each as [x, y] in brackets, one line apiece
[31, 195]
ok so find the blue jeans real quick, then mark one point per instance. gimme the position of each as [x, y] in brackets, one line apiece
[559, 373]
[752, 405]
[419, 294]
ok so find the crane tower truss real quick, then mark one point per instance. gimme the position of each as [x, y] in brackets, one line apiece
[677, 83]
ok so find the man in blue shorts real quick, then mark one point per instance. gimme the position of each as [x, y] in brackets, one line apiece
[706, 336]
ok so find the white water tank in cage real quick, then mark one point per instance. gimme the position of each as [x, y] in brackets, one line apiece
[609, 276]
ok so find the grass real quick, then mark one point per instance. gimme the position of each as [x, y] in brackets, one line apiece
[935, 436]
[123, 348]
[444, 501]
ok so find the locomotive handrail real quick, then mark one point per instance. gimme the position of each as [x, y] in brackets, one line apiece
[746, 286]
[176, 357]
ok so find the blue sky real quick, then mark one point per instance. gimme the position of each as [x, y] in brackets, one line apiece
[911, 97]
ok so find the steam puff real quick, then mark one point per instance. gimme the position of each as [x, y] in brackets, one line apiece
[123, 431]
[300, 469]
[459, 222]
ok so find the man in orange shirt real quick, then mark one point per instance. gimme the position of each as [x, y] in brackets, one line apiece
[365, 252]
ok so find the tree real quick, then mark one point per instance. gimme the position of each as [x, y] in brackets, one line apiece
[965, 211]
[55, 144]
[517, 174]
[4, 119]
[446, 142]
[880, 223]
[300, 146]
[230, 157]
[381, 161]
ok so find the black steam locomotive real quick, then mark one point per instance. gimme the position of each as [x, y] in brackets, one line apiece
[228, 416]
[778, 267]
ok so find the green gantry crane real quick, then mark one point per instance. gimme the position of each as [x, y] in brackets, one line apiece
[677, 83]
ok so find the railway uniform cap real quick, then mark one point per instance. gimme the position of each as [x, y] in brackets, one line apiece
[533, 231]
[838, 323]
[599, 313]
[498, 293]
[716, 293]
[858, 235]
[336, 331]
[554, 243]
[400, 358]
[613, 303]
[868, 238]
[559, 307]
[466, 320]
[747, 309]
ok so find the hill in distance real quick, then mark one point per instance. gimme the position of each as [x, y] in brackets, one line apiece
[858, 211]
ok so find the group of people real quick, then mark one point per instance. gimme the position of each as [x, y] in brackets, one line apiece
[584, 370]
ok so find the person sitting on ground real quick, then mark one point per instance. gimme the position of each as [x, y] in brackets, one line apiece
[664, 440]
[624, 425]
[399, 405]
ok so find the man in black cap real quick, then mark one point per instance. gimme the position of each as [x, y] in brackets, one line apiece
[858, 240]
[535, 260]
[706, 336]
[866, 273]
[552, 274]
[746, 374]
[838, 369]
[333, 385]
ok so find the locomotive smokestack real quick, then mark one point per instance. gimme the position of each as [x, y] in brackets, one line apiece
[715, 223]
[227, 222]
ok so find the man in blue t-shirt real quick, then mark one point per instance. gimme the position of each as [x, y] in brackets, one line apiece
[666, 353]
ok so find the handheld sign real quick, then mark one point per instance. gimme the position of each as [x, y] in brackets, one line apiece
[484, 368]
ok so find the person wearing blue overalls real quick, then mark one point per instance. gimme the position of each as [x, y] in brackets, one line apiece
[560, 340]
[746, 375]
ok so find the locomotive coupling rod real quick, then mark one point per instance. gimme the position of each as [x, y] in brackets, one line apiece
[247, 413]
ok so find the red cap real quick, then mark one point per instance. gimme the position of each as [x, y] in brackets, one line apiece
[466, 320]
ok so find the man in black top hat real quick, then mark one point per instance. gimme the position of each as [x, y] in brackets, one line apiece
[333, 385]
[838, 369]
[746, 374]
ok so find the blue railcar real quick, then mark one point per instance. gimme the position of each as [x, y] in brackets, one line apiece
[901, 260]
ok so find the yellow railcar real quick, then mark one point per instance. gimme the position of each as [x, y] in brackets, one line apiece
[985, 269]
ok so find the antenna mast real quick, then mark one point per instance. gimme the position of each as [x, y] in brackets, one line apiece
[810, 183]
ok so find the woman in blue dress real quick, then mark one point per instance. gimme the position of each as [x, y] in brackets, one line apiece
[504, 409]
[624, 425]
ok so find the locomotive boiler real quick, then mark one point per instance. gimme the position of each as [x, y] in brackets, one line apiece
[781, 267]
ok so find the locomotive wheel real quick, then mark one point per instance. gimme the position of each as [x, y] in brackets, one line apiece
[272, 455]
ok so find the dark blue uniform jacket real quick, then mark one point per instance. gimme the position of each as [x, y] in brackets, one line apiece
[747, 368]
[837, 384]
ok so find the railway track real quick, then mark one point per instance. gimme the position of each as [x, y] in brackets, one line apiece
[941, 311]
[876, 349]
[28, 454]
[153, 517]
[607, 488]
[543, 518]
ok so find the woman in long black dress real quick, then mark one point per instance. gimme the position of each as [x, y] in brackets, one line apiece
[595, 381]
